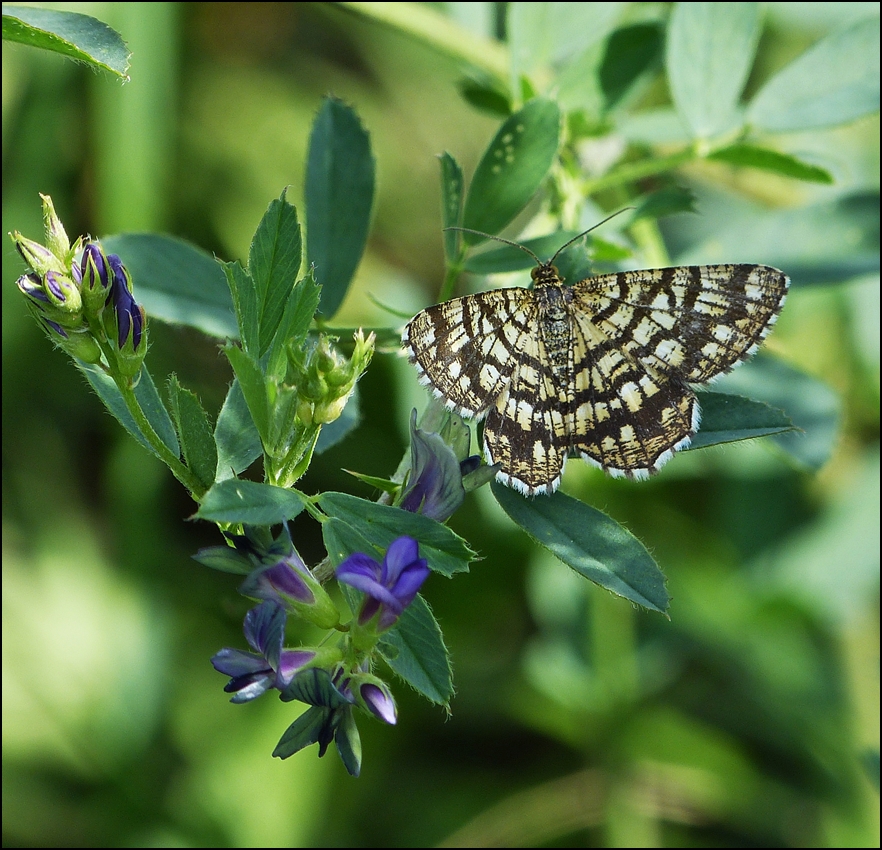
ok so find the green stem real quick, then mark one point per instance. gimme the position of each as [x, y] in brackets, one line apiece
[178, 469]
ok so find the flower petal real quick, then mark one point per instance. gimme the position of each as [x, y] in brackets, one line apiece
[401, 552]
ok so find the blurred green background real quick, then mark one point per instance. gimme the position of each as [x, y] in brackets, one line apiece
[751, 718]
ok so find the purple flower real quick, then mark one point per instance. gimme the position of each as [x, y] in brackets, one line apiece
[390, 586]
[434, 486]
[377, 698]
[270, 666]
[279, 582]
[129, 316]
[31, 285]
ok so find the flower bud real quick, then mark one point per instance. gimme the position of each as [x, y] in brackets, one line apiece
[78, 344]
[289, 583]
[37, 256]
[63, 292]
[56, 236]
[325, 378]
[125, 324]
[96, 278]
[32, 287]
[373, 695]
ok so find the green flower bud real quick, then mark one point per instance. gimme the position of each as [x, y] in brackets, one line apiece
[37, 256]
[56, 236]
[79, 344]
[46, 308]
[62, 292]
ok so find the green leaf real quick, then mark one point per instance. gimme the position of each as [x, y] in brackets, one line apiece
[769, 160]
[452, 188]
[446, 552]
[236, 437]
[512, 168]
[833, 82]
[274, 263]
[632, 55]
[710, 50]
[342, 540]
[303, 732]
[415, 651]
[176, 282]
[590, 542]
[148, 399]
[250, 503]
[300, 307]
[348, 742]
[194, 432]
[486, 95]
[245, 301]
[253, 386]
[816, 411]
[384, 485]
[673, 199]
[224, 559]
[542, 34]
[829, 242]
[76, 36]
[729, 418]
[339, 197]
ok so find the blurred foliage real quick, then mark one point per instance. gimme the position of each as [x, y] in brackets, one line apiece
[750, 718]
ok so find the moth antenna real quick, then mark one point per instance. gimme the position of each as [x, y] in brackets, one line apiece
[524, 248]
[586, 232]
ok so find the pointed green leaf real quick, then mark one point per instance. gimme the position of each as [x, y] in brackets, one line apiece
[452, 188]
[225, 559]
[729, 418]
[833, 82]
[246, 304]
[446, 552]
[339, 197]
[710, 50]
[274, 264]
[632, 56]
[76, 36]
[487, 95]
[814, 408]
[250, 503]
[302, 303]
[769, 160]
[194, 432]
[590, 542]
[305, 730]
[253, 386]
[384, 485]
[236, 437]
[348, 742]
[512, 168]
